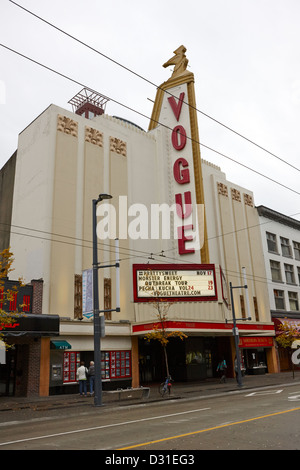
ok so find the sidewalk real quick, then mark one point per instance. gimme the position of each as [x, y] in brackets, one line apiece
[200, 389]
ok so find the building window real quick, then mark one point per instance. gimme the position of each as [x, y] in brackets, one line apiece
[275, 271]
[296, 250]
[107, 298]
[13, 302]
[298, 271]
[243, 311]
[26, 303]
[285, 247]
[293, 299]
[256, 308]
[289, 273]
[272, 243]
[279, 299]
[78, 296]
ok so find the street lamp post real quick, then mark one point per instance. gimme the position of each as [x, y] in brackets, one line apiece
[236, 333]
[97, 327]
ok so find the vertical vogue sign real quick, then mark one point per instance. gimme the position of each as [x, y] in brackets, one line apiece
[182, 176]
[178, 282]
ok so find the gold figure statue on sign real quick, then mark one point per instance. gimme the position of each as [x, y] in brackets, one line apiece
[179, 60]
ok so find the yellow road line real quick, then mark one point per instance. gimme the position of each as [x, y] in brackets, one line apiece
[209, 429]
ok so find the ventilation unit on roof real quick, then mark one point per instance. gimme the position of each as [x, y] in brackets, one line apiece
[88, 103]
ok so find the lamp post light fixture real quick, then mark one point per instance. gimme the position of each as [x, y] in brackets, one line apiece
[97, 327]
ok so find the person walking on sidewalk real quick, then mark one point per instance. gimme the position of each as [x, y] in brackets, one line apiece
[82, 379]
[91, 374]
[222, 366]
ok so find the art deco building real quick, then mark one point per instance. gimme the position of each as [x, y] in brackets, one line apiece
[64, 160]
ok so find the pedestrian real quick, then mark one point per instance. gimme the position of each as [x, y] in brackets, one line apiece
[82, 379]
[91, 374]
[222, 366]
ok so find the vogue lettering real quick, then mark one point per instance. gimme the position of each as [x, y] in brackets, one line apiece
[181, 175]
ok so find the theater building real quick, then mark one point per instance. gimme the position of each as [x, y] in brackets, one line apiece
[184, 233]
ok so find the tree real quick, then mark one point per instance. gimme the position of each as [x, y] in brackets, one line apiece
[289, 334]
[160, 332]
[6, 295]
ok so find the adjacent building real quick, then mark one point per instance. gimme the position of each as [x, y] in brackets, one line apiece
[281, 244]
[184, 233]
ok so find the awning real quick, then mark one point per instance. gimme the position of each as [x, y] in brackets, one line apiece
[29, 324]
[60, 344]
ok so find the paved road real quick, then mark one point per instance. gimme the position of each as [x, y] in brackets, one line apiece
[262, 419]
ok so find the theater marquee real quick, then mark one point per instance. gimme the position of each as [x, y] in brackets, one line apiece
[176, 282]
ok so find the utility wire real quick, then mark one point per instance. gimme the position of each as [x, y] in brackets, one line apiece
[143, 115]
[152, 83]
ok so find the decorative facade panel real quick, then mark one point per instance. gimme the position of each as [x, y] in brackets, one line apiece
[118, 146]
[67, 125]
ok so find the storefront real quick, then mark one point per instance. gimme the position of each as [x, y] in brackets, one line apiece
[253, 351]
[284, 354]
[115, 368]
[25, 369]
[67, 351]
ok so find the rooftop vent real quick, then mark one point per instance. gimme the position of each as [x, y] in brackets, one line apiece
[88, 103]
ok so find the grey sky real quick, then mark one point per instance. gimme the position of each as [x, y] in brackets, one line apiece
[245, 55]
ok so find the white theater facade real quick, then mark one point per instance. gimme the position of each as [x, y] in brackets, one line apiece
[184, 232]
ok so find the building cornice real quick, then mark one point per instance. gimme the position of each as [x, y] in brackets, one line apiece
[264, 211]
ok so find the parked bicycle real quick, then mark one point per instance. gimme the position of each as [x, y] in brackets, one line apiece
[165, 387]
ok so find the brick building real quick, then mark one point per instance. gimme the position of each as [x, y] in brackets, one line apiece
[24, 366]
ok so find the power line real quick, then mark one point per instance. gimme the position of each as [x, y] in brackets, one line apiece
[143, 115]
[153, 84]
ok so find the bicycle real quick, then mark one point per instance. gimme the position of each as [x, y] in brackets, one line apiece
[165, 387]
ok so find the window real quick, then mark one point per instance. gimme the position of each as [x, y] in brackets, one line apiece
[13, 302]
[293, 299]
[243, 311]
[285, 247]
[26, 303]
[298, 270]
[275, 271]
[256, 308]
[115, 364]
[289, 273]
[78, 296]
[107, 297]
[296, 250]
[279, 299]
[272, 243]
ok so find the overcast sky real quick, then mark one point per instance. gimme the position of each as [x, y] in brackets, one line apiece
[245, 55]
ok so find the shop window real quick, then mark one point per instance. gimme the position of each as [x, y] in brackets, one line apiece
[107, 298]
[115, 364]
[275, 271]
[71, 364]
[279, 299]
[296, 250]
[272, 243]
[293, 299]
[289, 273]
[285, 247]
